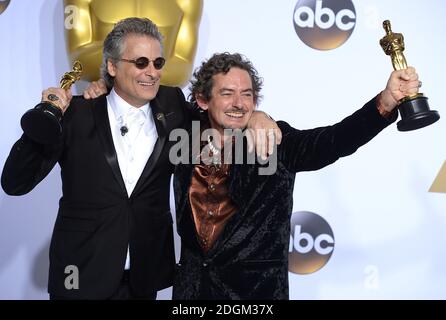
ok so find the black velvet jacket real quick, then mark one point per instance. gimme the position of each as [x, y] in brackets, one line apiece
[250, 258]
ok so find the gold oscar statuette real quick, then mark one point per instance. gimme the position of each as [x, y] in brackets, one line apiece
[414, 110]
[42, 123]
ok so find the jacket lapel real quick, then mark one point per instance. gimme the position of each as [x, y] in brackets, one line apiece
[185, 222]
[161, 128]
[104, 132]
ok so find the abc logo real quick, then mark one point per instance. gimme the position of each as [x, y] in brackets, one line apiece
[3, 5]
[324, 24]
[311, 243]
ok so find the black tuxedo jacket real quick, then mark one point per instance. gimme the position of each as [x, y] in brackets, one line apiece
[249, 260]
[96, 219]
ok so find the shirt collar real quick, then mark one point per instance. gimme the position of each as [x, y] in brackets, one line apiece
[121, 107]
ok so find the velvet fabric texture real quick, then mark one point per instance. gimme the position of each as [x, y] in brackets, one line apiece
[249, 260]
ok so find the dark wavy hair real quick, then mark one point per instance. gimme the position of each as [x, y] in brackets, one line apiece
[202, 83]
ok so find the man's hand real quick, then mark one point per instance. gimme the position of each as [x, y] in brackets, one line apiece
[264, 133]
[95, 89]
[402, 83]
[58, 97]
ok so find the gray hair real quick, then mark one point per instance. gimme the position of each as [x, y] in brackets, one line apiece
[113, 43]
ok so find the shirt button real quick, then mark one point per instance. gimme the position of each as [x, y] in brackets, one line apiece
[130, 181]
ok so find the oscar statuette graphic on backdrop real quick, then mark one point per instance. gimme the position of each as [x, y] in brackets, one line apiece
[439, 184]
[414, 109]
[88, 21]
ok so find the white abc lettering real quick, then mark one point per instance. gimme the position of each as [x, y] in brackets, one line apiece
[345, 13]
[309, 22]
[72, 281]
[298, 237]
[329, 16]
[311, 243]
[320, 12]
[327, 248]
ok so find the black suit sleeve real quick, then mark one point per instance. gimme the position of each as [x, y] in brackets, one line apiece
[306, 150]
[191, 113]
[28, 163]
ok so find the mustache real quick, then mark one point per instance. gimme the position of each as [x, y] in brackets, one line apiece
[237, 109]
[150, 78]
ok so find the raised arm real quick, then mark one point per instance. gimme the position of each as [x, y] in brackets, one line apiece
[29, 162]
[305, 150]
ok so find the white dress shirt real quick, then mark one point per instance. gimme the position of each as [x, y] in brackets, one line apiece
[134, 136]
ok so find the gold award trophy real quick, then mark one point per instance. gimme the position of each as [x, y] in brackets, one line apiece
[414, 109]
[42, 123]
